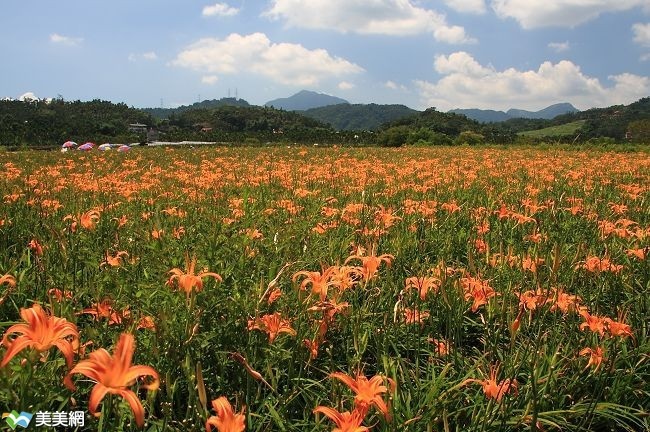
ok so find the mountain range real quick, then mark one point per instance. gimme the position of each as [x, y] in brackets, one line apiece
[304, 100]
[492, 116]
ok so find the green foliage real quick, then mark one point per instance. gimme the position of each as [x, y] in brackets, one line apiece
[358, 117]
[164, 113]
[639, 131]
[40, 123]
[436, 121]
[565, 129]
[395, 136]
[469, 138]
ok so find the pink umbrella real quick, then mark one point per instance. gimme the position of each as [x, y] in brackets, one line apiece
[123, 148]
[85, 147]
[69, 144]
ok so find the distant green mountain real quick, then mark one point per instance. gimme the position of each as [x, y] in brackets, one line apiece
[163, 113]
[445, 123]
[492, 116]
[548, 113]
[304, 100]
[359, 116]
[483, 116]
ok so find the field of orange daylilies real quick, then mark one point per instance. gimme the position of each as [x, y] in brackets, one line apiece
[327, 289]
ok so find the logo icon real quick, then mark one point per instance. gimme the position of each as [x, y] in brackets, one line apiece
[14, 419]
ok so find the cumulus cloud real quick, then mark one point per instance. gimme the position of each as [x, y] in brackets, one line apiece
[468, 84]
[387, 17]
[559, 46]
[394, 86]
[65, 40]
[467, 6]
[220, 9]
[209, 79]
[345, 85]
[642, 34]
[284, 63]
[562, 13]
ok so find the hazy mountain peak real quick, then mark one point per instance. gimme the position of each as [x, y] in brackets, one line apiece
[492, 116]
[304, 100]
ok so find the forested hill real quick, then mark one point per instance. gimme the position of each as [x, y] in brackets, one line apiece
[359, 116]
[243, 119]
[56, 121]
[436, 121]
[612, 122]
[163, 113]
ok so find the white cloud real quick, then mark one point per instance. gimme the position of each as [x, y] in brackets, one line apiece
[453, 35]
[467, 6]
[563, 13]
[27, 97]
[559, 46]
[220, 9]
[641, 34]
[387, 17]
[468, 84]
[284, 63]
[209, 79]
[148, 56]
[345, 85]
[394, 86]
[65, 40]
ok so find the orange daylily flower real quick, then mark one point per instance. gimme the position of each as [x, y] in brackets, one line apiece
[385, 218]
[273, 324]
[368, 391]
[531, 300]
[442, 347]
[114, 260]
[618, 328]
[595, 357]
[104, 309]
[415, 316]
[423, 284]
[41, 332]
[346, 421]
[226, 420]
[319, 281]
[146, 322]
[370, 264]
[273, 296]
[640, 253]
[563, 301]
[493, 389]
[114, 374]
[88, 220]
[593, 322]
[59, 295]
[478, 290]
[8, 279]
[36, 247]
[188, 281]
[121, 221]
[596, 264]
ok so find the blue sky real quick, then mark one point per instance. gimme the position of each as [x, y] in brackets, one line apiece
[496, 54]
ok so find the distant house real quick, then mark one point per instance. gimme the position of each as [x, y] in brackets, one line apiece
[138, 128]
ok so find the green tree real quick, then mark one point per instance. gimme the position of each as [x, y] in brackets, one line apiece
[395, 136]
[639, 131]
